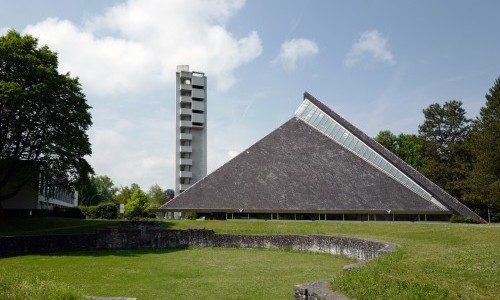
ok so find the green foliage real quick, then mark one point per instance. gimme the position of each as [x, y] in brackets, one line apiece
[157, 196]
[89, 211]
[462, 219]
[96, 189]
[484, 180]
[105, 210]
[387, 139]
[495, 216]
[124, 194]
[44, 115]
[190, 216]
[409, 150]
[446, 159]
[405, 146]
[138, 205]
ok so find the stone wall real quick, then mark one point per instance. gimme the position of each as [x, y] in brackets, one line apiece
[317, 291]
[144, 236]
[149, 235]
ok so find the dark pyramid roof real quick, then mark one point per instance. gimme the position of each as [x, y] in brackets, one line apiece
[437, 192]
[296, 168]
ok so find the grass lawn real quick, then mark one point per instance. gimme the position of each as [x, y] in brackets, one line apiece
[433, 261]
[177, 274]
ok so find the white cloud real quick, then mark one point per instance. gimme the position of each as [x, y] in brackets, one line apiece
[137, 45]
[294, 50]
[370, 44]
[134, 151]
[233, 153]
[131, 52]
[4, 30]
[109, 137]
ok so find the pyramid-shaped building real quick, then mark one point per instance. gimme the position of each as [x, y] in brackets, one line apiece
[318, 166]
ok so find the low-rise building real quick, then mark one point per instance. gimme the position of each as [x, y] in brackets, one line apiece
[34, 194]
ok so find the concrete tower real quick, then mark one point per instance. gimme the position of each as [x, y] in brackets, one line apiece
[191, 128]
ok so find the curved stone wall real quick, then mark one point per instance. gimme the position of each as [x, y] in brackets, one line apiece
[150, 235]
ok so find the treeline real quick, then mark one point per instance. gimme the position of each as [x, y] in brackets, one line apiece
[461, 155]
[99, 198]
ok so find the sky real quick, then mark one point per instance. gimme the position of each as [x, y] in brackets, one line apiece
[376, 63]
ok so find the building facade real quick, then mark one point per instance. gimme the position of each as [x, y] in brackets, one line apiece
[191, 128]
[34, 194]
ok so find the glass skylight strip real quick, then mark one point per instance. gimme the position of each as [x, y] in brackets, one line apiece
[312, 115]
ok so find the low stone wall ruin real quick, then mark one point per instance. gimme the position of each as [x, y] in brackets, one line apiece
[149, 235]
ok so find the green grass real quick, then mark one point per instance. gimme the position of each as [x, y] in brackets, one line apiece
[50, 225]
[21, 286]
[433, 260]
[178, 274]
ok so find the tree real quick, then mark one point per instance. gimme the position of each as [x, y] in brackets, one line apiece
[137, 206]
[44, 117]
[170, 194]
[405, 146]
[124, 193]
[484, 180]
[409, 150]
[387, 139]
[157, 196]
[444, 133]
[95, 190]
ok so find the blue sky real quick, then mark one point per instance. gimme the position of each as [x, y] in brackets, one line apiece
[376, 63]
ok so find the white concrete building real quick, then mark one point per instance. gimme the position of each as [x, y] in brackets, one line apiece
[191, 128]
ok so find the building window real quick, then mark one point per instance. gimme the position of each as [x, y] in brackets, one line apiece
[186, 93]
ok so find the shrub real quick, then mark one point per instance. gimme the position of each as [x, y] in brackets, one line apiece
[190, 216]
[462, 219]
[495, 216]
[151, 215]
[137, 207]
[106, 210]
[89, 211]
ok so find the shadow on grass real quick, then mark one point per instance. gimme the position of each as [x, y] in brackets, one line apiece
[119, 253]
[42, 225]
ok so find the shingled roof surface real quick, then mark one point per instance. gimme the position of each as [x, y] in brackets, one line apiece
[297, 168]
